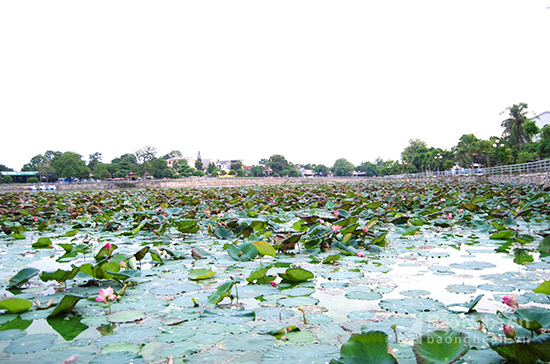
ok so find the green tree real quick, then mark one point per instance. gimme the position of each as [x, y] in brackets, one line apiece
[257, 171]
[466, 150]
[101, 171]
[121, 166]
[342, 167]
[278, 164]
[409, 153]
[544, 143]
[369, 168]
[212, 170]
[172, 154]
[145, 155]
[43, 164]
[322, 170]
[182, 168]
[514, 130]
[236, 165]
[3, 168]
[93, 160]
[160, 169]
[198, 163]
[71, 165]
[291, 172]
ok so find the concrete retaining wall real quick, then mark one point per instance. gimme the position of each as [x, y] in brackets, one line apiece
[523, 179]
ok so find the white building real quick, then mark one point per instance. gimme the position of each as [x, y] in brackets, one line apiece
[542, 119]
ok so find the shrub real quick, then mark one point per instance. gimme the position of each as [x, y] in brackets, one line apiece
[32, 180]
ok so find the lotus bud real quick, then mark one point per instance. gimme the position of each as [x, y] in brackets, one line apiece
[509, 331]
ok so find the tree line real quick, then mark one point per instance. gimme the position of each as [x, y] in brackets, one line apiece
[521, 141]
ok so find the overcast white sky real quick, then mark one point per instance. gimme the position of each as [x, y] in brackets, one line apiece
[312, 80]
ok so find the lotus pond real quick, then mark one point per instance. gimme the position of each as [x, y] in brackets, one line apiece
[364, 272]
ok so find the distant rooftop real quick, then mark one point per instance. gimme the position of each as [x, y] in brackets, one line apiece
[542, 119]
[18, 173]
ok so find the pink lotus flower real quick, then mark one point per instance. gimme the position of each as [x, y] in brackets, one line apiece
[336, 213]
[122, 264]
[360, 254]
[510, 301]
[35, 218]
[509, 331]
[460, 211]
[273, 284]
[105, 295]
[336, 228]
[108, 246]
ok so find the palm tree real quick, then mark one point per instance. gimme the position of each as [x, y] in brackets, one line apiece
[514, 131]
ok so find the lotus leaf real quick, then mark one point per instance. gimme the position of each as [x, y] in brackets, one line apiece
[22, 277]
[15, 305]
[366, 348]
[441, 347]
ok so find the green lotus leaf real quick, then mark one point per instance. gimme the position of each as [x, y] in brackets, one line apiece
[30, 343]
[198, 274]
[22, 277]
[331, 259]
[503, 235]
[187, 226]
[441, 347]
[408, 305]
[17, 324]
[525, 351]
[264, 248]
[68, 327]
[126, 316]
[533, 318]
[66, 305]
[223, 290]
[366, 348]
[42, 243]
[243, 252]
[259, 276]
[467, 307]
[228, 316]
[308, 353]
[15, 305]
[223, 233]
[59, 275]
[105, 252]
[543, 288]
[296, 275]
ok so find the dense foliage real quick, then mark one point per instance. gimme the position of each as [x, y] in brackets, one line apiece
[277, 274]
[521, 142]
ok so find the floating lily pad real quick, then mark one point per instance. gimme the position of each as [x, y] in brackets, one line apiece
[300, 354]
[461, 288]
[473, 265]
[366, 348]
[126, 316]
[30, 343]
[415, 293]
[15, 305]
[363, 295]
[411, 306]
[441, 347]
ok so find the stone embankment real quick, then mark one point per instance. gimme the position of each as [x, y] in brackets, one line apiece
[522, 179]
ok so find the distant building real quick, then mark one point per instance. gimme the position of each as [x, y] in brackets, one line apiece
[542, 119]
[226, 165]
[306, 172]
[190, 161]
[20, 176]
